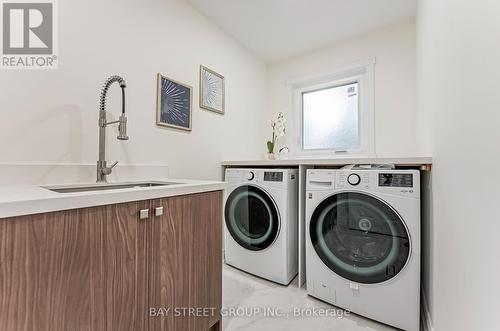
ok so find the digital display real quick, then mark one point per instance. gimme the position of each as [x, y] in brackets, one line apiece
[273, 176]
[395, 180]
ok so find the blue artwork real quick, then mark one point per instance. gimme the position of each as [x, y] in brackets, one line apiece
[173, 104]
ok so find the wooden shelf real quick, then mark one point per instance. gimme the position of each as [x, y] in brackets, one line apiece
[422, 163]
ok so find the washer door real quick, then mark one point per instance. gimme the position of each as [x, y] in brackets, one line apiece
[252, 217]
[360, 237]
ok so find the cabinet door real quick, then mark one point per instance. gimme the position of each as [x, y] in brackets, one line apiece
[44, 272]
[119, 262]
[187, 262]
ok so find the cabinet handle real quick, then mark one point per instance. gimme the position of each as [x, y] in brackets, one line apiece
[143, 214]
[158, 211]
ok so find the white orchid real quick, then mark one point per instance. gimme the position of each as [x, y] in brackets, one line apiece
[279, 130]
[279, 125]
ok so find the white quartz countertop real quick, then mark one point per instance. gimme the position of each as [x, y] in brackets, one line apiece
[339, 160]
[17, 200]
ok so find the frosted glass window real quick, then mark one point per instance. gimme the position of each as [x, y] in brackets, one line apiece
[330, 118]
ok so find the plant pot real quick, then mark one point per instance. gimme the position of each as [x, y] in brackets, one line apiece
[270, 156]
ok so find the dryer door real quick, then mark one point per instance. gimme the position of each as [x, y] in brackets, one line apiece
[252, 218]
[360, 237]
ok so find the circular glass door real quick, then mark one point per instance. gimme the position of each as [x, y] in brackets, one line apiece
[359, 237]
[251, 217]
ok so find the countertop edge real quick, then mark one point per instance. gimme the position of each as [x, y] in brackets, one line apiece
[53, 203]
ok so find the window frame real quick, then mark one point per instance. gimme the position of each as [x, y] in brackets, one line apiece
[361, 72]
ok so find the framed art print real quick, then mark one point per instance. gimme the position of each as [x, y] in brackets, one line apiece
[211, 90]
[173, 104]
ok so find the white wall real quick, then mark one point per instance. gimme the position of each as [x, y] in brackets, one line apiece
[395, 82]
[459, 116]
[51, 116]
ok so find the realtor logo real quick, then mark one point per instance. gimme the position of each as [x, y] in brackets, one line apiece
[28, 35]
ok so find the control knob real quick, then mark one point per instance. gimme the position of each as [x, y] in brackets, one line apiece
[354, 179]
[250, 175]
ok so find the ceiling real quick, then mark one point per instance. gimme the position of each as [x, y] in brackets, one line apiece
[276, 29]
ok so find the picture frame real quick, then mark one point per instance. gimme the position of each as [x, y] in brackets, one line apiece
[174, 104]
[212, 90]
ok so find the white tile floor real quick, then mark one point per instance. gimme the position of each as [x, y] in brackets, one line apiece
[246, 292]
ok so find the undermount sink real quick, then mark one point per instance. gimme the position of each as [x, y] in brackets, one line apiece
[103, 187]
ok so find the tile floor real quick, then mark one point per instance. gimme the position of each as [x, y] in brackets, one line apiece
[258, 299]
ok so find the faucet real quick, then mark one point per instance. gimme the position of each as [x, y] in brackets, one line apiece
[102, 169]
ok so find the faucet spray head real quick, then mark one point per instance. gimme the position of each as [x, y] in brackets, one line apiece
[122, 127]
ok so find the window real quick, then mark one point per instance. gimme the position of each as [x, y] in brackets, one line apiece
[333, 112]
[330, 118]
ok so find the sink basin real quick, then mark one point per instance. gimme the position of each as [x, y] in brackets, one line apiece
[103, 187]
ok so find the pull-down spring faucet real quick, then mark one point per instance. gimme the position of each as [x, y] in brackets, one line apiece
[102, 169]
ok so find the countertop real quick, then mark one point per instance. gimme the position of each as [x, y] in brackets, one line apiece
[338, 160]
[17, 200]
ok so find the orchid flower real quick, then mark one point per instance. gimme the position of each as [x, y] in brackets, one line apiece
[278, 129]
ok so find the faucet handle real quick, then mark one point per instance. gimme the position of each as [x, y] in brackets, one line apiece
[107, 170]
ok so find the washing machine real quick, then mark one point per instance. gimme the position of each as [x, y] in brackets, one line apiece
[363, 242]
[260, 216]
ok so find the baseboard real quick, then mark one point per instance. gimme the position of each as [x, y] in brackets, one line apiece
[425, 317]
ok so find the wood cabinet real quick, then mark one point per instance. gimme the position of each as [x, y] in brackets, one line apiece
[44, 272]
[103, 268]
[187, 257]
[119, 266]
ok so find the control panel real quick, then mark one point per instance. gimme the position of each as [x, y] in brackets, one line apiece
[392, 182]
[400, 182]
[273, 176]
[357, 180]
[279, 178]
[395, 180]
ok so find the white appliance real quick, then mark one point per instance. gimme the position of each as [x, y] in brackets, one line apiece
[260, 216]
[363, 242]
